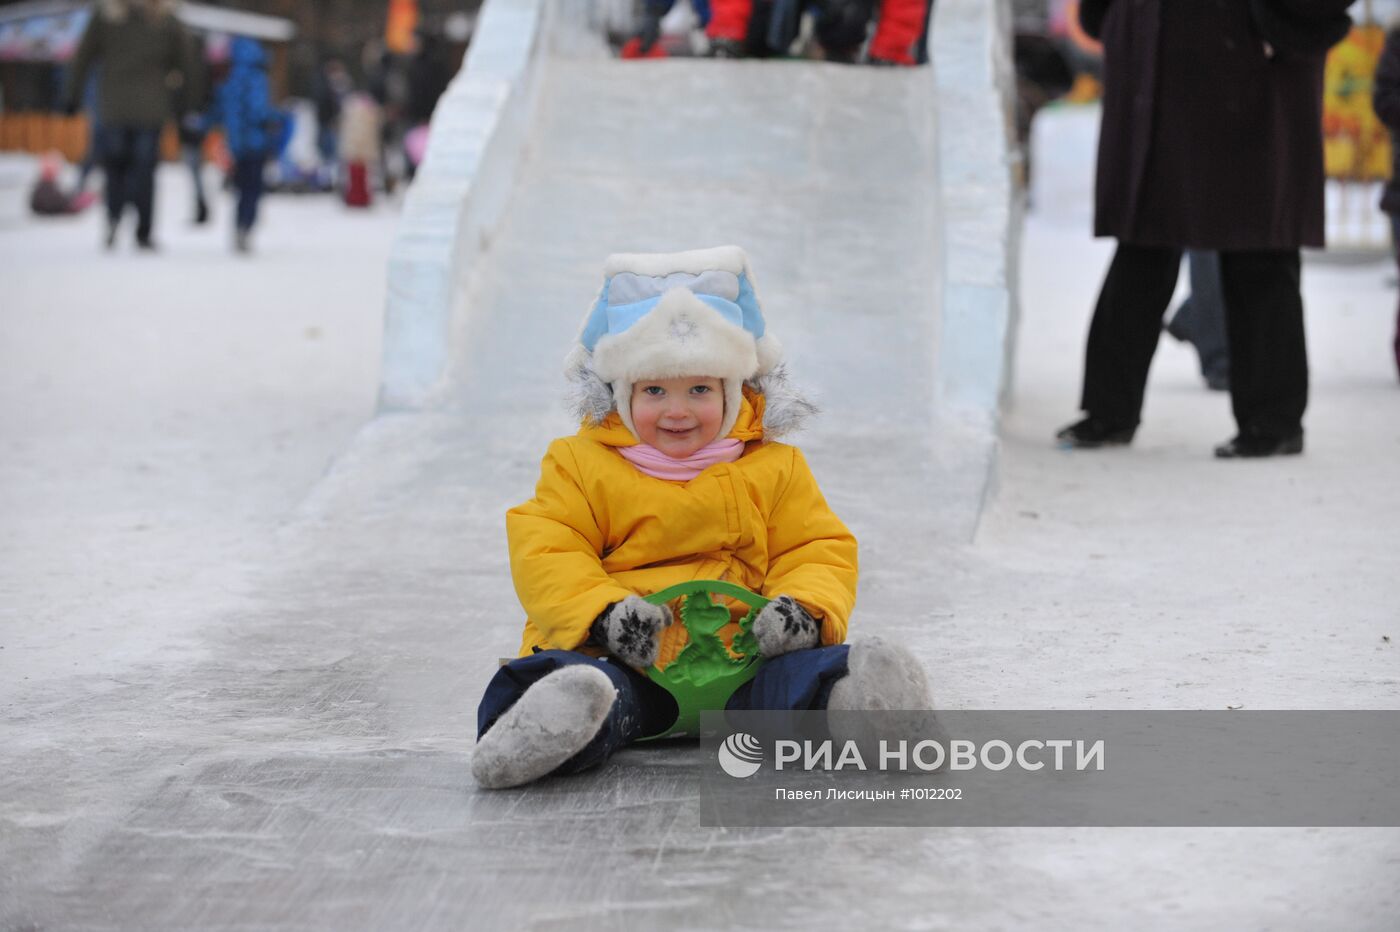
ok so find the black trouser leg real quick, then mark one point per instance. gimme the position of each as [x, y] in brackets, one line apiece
[1123, 335]
[145, 152]
[194, 160]
[116, 162]
[842, 27]
[1268, 349]
[248, 178]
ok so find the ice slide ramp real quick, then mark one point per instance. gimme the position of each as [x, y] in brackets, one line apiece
[305, 763]
[874, 204]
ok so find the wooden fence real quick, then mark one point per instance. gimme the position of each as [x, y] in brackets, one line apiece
[42, 132]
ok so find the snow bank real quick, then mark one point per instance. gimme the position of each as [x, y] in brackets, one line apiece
[970, 50]
[459, 196]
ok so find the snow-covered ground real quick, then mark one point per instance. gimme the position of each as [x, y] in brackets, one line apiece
[1170, 579]
[159, 415]
[210, 723]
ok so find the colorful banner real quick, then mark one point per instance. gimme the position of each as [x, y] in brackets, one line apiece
[47, 38]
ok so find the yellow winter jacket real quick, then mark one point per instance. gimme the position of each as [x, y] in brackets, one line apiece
[599, 530]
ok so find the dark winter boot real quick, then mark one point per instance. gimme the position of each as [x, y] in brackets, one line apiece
[1092, 433]
[1215, 360]
[726, 48]
[1253, 446]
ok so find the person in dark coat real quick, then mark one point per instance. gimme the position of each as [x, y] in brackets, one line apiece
[144, 56]
[428, 76]
[1385, 98]
[333, 85]
[192, 129]
[243, 104]
[1211, 138]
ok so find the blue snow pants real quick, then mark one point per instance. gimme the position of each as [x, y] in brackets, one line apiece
[798, 681]
[248, 179]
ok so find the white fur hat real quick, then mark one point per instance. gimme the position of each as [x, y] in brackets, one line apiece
[661, 316]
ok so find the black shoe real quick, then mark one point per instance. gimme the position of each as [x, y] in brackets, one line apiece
[201, 213]
[146, 244]
[1175, 330]
[1253, 446]
[1092, 433]
[1218, 381]
[650, 33]
[726, 48]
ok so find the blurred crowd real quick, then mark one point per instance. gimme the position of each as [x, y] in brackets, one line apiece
[362, 127]
[360, 124]
[876, 32]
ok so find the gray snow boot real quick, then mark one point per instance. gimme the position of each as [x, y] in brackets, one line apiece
[550, 723]
[884, 677]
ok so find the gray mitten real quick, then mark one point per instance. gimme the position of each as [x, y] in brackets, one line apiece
[630, 630]
[785, 626]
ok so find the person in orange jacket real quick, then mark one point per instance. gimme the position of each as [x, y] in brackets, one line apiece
[741, 28]
[676, 474]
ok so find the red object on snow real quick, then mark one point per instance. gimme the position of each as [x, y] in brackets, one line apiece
[901, 22]
[729, 19]
[357, 185]
[633, 49]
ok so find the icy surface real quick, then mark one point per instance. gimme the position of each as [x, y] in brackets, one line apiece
[226, 725]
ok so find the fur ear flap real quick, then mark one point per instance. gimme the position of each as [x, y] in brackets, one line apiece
[785, 408]
[589, 397]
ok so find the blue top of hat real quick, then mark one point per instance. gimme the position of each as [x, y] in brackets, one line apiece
[627, 297]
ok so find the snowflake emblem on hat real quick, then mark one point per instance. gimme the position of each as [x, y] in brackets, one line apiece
[683, 329]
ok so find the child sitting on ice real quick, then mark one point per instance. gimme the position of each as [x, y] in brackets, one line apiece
[47, 197]
[675, 475]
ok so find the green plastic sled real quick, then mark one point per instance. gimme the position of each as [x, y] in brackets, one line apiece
[704, 675]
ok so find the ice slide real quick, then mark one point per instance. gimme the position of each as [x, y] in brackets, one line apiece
[313, 763]
[874, 204]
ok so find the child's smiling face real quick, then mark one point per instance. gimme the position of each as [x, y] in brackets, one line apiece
[678, 416]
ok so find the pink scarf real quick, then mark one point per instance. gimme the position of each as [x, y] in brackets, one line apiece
[654, 463]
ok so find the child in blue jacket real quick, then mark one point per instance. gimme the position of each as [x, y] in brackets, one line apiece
[243, 104]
